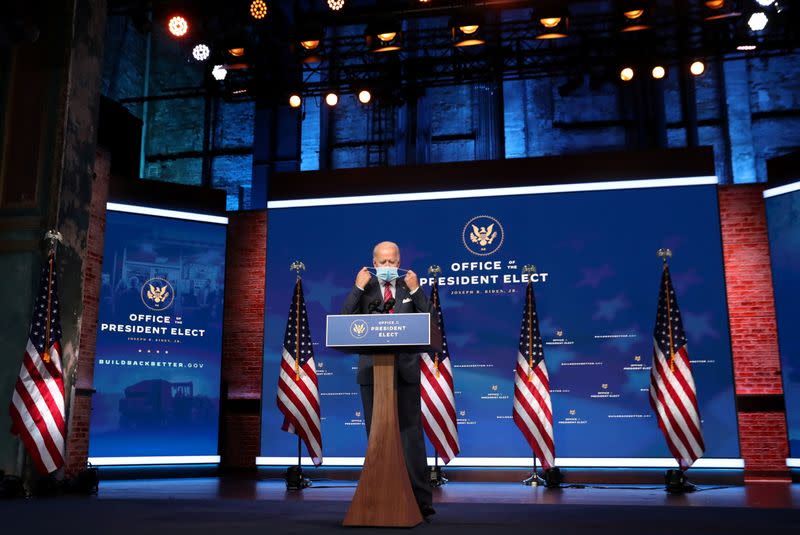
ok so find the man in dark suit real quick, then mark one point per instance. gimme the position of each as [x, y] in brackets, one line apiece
[408, 297]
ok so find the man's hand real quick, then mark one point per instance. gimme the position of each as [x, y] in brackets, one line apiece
[363, 278]
[412, 281]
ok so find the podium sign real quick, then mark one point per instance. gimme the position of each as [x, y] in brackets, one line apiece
[384, 496]
[366, 331]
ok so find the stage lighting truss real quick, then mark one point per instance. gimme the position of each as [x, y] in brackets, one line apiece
[427, 57]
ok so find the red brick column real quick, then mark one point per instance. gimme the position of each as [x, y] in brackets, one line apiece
[756, 361]
[243, 339]
[81, 406]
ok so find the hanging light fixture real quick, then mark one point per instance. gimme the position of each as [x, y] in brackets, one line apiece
[626, 74]
[636, 15]
[466, 29]
[384, 35]
[720, 9]
[553, 21]
[309, 38]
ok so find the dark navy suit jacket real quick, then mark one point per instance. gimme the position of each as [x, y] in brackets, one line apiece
[358, 302]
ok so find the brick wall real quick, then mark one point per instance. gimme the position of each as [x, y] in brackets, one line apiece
[762, 438]
[80, 412]
[750, 299]
[756, 361]
[243, 339]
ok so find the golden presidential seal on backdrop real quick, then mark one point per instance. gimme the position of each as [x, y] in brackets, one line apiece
[483, 235]
[358, 328]
[157, 294]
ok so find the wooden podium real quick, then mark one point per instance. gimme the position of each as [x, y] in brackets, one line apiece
[384, 497]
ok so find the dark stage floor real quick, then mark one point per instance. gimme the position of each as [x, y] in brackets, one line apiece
[238, 505]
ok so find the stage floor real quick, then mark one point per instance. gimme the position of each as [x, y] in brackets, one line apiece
[242, 505]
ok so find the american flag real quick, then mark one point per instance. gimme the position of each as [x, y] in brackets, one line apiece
[37, 404]
[438, 397]
[533, 412]
[298, 392]
[672, 391]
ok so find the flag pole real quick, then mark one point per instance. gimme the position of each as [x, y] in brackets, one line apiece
[294, 474]
[534, 480]
[437, 478]
[676, 481]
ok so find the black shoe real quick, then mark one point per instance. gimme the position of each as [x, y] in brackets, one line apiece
[427, 511]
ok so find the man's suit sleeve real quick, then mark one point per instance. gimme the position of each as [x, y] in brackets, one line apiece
[420, 300]
[352, 303]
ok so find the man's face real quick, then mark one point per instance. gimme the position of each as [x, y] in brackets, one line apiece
[386, 256]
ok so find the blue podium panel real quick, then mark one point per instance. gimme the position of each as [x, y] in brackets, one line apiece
[370, 330]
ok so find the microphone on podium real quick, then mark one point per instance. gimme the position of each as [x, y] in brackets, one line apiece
[375, 307]
[388, 305]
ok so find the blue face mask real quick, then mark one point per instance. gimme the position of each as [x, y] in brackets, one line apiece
[387, 274]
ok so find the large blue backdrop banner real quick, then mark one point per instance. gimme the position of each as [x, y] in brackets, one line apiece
[159, 339]
[783, 220]
[596, 290]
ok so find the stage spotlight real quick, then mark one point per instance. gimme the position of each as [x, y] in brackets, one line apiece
[364, 96]
[465, 29]
[201, 52]
[676, 482]
[295, 101]
[237, 52]
[553, 478]
[258, 9]
[626, 74]
[765, 3]
[658, 72]
[335, 5]
[383, 36]
[178, 26]
[554, 20]
[697, 68]
[331, 99]
[635, 16]
[720, 9]
[758, 21]
[219, 72]
[310, 44]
